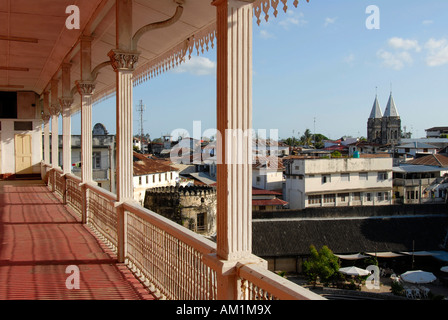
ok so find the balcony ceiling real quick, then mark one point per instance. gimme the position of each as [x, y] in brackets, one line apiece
[42, 41]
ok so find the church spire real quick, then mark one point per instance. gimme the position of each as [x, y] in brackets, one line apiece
[376, 110]
[391, 109]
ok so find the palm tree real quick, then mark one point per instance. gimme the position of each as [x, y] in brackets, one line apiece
[306, 138]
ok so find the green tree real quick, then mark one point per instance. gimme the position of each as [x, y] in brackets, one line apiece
[306, 138]
[322, 265]
[336, 154]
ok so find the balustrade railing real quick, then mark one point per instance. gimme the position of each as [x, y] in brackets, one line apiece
[102, 213]
[74, 196]
[258, 283]
[169, 256]
[173, 262]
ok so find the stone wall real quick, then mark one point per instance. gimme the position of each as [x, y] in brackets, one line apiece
[355, 211]
[194, 207]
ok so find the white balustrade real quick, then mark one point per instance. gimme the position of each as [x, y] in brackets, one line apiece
[172, 261]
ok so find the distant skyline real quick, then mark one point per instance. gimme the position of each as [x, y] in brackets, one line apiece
[317, 62]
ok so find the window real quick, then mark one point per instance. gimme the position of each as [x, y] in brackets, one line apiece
[96, 161]
[153, 178]
[147, 179]
[368, 196]
[343, 197]
[386, 196]
[23, 125]
[296, 167]
[139, 181]
[356, 196]
[314, 199]
[380, 196]
[201, 221]
[363, 176]
[160, 177]
[345, 176]
[329, 198]
[326, 178]
[382, 176]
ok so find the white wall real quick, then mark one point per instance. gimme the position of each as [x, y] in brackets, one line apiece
[306, 177]
[153, 181]
[8, 165]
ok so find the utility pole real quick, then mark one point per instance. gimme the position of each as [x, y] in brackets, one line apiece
[141, 108]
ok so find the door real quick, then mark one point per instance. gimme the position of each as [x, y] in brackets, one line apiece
[23, 154]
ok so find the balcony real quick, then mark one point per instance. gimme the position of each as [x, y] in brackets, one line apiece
[114, 48]
[162, 260]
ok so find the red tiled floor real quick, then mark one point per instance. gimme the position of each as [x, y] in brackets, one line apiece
[40, 238]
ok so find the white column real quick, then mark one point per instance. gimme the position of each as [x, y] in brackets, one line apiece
[54, 112]
[234, 156]
[86, 90]
[46, 117]
[66, 102]
[125, 189]
[234, 121]
[123, 61]
[86, 87]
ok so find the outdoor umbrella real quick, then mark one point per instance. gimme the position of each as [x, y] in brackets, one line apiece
[354, 271]
[418, 276]
[444, 269]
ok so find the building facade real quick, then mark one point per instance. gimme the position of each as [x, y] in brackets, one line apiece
[194, 207]
[152, 173]
[337, 182]
[384, 129]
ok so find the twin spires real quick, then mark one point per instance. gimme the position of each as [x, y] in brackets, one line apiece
[391, 109]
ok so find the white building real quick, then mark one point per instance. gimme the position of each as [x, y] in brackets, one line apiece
[314, 182]
[152, 173]
[415, 148]
[267, 173]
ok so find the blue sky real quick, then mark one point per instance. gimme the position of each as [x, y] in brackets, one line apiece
[316, 66]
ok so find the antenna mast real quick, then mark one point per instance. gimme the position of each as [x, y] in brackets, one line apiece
[141, 109]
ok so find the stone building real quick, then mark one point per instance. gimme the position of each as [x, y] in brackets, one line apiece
[194, 207]
[384, 129]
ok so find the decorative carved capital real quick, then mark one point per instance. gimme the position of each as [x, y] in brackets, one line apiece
[122, 60]
[46, 117]
[65, 103]
[85, 87]
[54, 109]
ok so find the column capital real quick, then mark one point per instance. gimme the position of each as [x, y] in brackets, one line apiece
[123, 60]
[54, 109]
[46, 117]
[65, 103]
[85, 87]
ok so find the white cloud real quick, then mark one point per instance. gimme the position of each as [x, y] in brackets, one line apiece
[266, 34]
[437, 52]
[329, 21]
[293, 19]
[349, 59]
[199, 66]
[404, 44]
[395, 60]
[427, 22]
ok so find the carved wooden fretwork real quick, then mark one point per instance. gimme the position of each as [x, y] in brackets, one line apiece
[265, 5]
